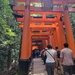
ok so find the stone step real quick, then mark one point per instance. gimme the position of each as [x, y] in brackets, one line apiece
[38, 68]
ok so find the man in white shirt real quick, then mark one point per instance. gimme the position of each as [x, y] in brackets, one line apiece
[66, 56]
[50, 60]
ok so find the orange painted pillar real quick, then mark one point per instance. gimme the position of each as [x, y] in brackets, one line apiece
[62, 35]
[55, 38]
[41, 47]
[50, 40]
[24, 57]
[53, 44]
[69, 32]
[58, 38]
[44, 16]
[44, 43]
[25, 35]
[30, 45]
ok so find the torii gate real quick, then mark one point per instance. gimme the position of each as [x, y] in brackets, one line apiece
[53, 27]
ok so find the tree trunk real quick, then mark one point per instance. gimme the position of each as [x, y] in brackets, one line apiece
[9, 59]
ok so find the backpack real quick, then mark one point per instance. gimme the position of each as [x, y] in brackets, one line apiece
[58, 54]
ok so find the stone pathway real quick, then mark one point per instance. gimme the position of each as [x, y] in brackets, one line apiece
[38, 67]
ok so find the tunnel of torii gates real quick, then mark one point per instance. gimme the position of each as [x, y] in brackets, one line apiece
[53, 27]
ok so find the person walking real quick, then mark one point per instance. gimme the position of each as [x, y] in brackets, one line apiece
[58, 52]
[50, 60]
[66, 56]
[58, 59]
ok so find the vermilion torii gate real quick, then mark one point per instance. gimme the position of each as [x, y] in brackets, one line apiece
[48, 27]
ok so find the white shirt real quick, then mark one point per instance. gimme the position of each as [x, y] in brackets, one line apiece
[49, 58]
[67, 55]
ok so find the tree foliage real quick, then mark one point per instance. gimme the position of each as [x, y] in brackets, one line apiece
[72, 18]
[9, 35]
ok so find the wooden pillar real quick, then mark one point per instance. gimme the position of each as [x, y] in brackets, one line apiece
[44, 16]
[58, 38]
[24, 57]
[30, 45]
[50, 40]
[69, 32]
[55, 38]
[25, 35]
[44, 43]
[41, 47]
[62, 35]
[53, 45]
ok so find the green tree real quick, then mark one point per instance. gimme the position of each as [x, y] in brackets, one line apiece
[9, 36]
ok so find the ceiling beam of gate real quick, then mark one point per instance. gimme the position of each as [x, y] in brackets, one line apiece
[40, 38]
